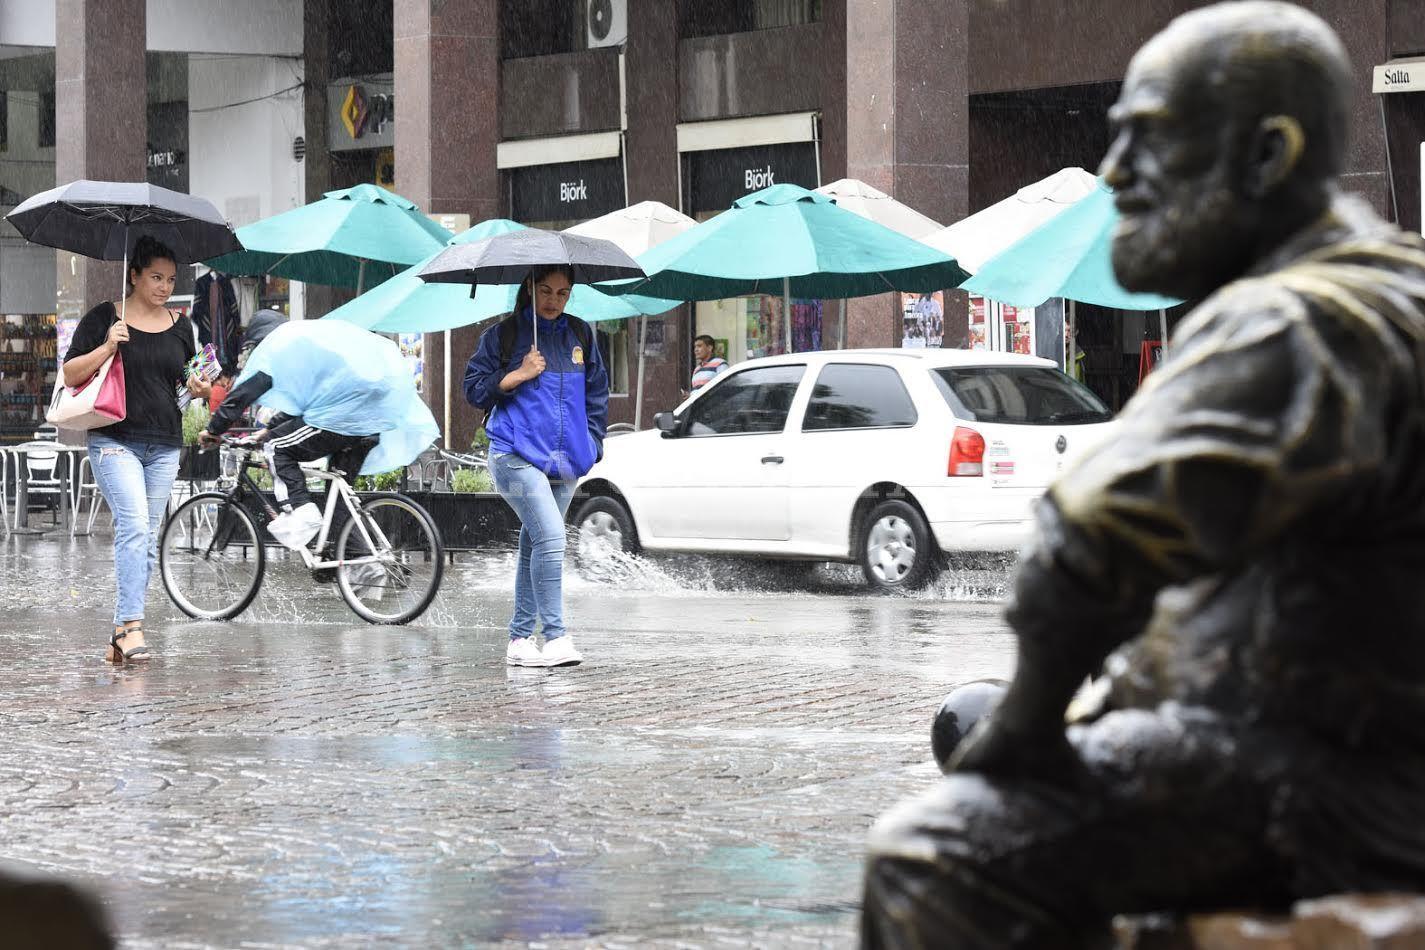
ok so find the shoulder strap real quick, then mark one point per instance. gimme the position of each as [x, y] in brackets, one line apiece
[508, 330]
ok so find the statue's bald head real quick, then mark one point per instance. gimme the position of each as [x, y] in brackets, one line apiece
[1233, 116]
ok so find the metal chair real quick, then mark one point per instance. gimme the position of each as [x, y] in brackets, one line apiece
[83, 485]
[42, 476]
[5, 462]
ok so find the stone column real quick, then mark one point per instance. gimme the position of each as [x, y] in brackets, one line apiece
[101, 122]
[317, 300]
[447, 55]
[650, 71]
[907, 128]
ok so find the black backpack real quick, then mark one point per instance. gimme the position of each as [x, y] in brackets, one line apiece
[509, 328]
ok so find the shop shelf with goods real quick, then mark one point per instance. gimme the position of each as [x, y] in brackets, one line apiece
[28, 349]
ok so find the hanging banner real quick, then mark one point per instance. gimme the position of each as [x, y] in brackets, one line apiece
[719, 177]
[568, 191]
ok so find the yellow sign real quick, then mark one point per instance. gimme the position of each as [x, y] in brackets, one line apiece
[354, 111]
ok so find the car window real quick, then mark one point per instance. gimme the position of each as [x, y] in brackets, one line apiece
[752, 400]
[1023, 395]
[858, 396]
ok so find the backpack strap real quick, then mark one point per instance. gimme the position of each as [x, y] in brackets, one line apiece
[509, 329]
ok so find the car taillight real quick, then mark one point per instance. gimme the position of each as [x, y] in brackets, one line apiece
[967, 452]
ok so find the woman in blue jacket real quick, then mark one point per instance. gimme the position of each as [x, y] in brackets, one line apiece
[546, 404]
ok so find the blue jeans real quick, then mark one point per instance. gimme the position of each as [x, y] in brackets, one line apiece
[541, 503]
[136, 479]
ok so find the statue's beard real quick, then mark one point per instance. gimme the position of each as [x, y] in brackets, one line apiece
[1185, 249]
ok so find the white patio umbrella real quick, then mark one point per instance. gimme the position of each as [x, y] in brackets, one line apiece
[635, 229]
[859, 198]
[982, 235]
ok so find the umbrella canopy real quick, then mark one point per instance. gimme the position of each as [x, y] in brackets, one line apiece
[357, 238]
[344, 379]
[788, 240]
[984, 234]
[408, 304]
[636, 228]
[103, 220]
[1069, 256]
[875, 205]
[507, 258]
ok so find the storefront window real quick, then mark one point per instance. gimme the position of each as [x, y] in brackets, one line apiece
[28, 344]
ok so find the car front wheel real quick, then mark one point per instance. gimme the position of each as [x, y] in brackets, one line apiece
[602, 526]
[896, 551]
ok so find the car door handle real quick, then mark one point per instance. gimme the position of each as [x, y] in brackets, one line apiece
[772, 460]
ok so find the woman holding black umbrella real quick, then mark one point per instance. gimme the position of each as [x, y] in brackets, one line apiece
[541, 380]
[135, 460]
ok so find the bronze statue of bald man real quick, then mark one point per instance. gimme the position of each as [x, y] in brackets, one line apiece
[1242, 565]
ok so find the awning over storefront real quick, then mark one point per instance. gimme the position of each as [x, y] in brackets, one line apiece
[743, 133]
[555, 149]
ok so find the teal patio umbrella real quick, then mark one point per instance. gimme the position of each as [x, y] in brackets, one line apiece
[357, 238]
[1069, 256]
[794, 242]
[407, 304]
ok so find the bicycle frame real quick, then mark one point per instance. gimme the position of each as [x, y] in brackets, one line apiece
[342, 494]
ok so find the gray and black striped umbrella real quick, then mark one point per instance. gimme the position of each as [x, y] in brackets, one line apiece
[103, 220]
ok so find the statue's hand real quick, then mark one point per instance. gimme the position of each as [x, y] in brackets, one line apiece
[993, 748]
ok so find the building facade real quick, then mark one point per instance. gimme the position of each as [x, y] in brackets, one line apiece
[552, 112]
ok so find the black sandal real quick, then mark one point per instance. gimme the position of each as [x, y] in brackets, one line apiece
[120, 655]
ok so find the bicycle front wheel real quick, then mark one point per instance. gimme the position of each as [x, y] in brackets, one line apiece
[399, 560]
[211, 558]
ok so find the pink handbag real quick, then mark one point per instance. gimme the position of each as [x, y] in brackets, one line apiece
[99, 401]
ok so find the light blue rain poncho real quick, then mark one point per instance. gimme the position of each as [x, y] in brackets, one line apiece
[347, 380]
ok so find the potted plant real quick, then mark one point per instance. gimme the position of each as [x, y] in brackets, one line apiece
[195, 465]
[471, 515]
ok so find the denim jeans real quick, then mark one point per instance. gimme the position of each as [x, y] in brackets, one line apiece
[136, 479]
[540, 503]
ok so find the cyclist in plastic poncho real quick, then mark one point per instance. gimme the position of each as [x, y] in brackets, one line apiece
[333, 385]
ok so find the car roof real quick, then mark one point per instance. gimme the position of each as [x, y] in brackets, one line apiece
[930, 358]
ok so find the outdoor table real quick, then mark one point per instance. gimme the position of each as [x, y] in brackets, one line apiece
[69, 459]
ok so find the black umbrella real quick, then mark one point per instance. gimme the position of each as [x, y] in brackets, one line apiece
[507, 259]
[103, 219]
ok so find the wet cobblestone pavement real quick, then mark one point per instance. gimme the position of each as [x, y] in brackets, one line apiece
[298, 778]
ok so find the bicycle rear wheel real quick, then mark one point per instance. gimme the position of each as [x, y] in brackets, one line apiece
[210, 557]
[395, 580]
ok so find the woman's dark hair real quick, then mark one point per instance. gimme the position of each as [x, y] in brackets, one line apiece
[147, 250]
[537, 274]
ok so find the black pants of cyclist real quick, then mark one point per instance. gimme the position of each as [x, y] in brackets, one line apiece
[291, 442]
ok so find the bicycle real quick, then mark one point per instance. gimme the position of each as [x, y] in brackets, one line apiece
[212, 552]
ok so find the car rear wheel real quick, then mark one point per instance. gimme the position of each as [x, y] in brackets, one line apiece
[896, 551]
[602, 526]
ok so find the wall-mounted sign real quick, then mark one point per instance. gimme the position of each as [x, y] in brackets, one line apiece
[721, 176]
[361, 113]
[167, 160]
[1401, 75]
[569, 191]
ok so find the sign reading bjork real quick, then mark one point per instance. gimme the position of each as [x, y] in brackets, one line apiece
[721, 176]
[569, 191]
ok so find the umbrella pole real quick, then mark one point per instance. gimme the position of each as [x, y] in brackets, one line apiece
[1071, 367]
[534, 319]
[787, 312]
[841, 326]
[124, 281]
[361, 277]
[447, 389]
[1163, 330]
[642, 341]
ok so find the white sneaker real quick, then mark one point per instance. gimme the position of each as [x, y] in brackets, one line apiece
[561, 652]
[296, 529]
[522, 651]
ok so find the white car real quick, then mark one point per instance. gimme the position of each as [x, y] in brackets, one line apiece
[884, 458]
